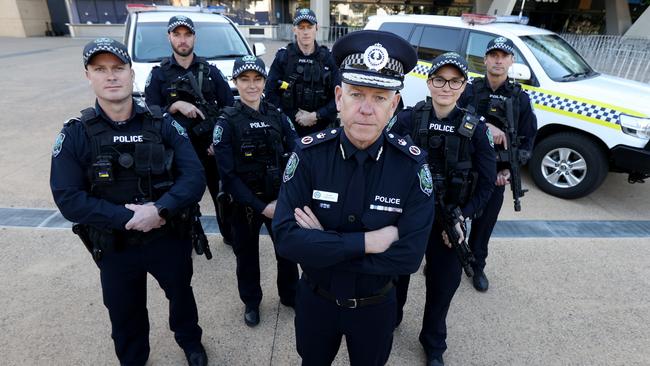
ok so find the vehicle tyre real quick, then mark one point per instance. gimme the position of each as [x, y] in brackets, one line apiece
[568, 165]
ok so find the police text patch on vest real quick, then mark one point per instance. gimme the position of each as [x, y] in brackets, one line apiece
[325, 196]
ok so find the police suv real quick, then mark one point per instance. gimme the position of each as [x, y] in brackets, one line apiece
[217, 39]
[589, 123]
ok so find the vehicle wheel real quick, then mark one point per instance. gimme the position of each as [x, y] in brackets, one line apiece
[568, 165]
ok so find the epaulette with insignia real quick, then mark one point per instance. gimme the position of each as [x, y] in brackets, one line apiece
[319, 137]
[71, 121]
[405, 145]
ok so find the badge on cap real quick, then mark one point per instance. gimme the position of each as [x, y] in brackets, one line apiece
[307, 140]
[103, 40]
[292, 164]
[249, 58]
[304, 11]
[181, 17]
[500, 40]
[375, 57]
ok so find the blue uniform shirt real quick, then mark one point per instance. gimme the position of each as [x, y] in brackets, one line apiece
[71, 160]
[398, 192]
[481, 150]
[156, 88]
[224, 154]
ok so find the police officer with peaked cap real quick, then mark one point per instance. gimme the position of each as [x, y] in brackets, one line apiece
[126, 174]
[168, 88]
[461, 157]
[302, 78]
[252, 140]
[355, 209]
[496, 87]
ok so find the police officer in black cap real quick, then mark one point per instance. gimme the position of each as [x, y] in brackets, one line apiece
[302, 78]
[461, 157]
[483, 94]
[355, 209]
[126, 175]
[195, 108]
[252, 141]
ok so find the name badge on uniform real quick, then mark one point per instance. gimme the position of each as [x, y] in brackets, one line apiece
[325, 196]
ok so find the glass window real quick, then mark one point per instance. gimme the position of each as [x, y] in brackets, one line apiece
[438, 40]
[558, 59]
[401, 29]
[151, 43]
[476, 45]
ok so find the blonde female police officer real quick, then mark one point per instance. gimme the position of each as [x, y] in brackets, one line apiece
[355, 208]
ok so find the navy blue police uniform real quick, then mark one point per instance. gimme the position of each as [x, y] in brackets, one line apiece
[462, 162]
[478, 94]
[164, 88]
[251, 149]
[98, 166]
[299, 81]
[344, 291]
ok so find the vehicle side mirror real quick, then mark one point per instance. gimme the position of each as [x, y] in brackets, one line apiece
[519, 72]
[259, 49]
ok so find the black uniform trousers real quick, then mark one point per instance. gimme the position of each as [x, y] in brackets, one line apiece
[246, 226]
[212, 179]
[124, 288]
[320, 324]
[483, 225]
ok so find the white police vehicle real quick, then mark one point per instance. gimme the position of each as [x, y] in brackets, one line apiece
[589, 123]
[217, 39]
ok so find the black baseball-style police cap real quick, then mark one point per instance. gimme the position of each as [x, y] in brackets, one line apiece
[449, 58]
[304, 14]
[180, 21]
[248, 63]
[106, 45]
[501, 43]
[376, 59]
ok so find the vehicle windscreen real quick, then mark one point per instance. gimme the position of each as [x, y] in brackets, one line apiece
[213, 41]
[558, 59]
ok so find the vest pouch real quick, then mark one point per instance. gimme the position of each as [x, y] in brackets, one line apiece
[298, 95]
[307, 99]
[103, 170]
[149, 159]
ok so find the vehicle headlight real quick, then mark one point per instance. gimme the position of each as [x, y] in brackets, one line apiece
[635, 126]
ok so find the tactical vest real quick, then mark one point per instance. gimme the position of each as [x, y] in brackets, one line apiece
[309, 84]
[128, 167]
[258, 148]
[482, 93]
[448, 147]
[202, 77]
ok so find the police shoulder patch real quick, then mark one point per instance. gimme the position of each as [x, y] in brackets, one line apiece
[217, 134]
[290, 169]
[180, 129]
[490, 137]
[426, 181]
[58, 144]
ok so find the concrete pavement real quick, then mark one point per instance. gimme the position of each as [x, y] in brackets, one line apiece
[552, 301]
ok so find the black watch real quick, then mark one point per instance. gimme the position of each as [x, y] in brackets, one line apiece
[162, 211]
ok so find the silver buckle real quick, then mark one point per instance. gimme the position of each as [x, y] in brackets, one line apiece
[354, 302]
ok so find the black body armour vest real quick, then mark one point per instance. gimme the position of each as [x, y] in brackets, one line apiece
[258, 148]
[128, 167]
[483, 95]
[448, 146]
[178, 88]
[309, 80]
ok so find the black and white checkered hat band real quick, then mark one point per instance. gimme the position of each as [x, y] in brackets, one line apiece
[107, 48]
[502, 47]
[356, 59]
[179, 23]
[307, 17]
[248, 67]
[373, 80]
[449, 61]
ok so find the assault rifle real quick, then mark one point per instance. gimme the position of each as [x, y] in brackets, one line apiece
[188, 85]
[514, 155]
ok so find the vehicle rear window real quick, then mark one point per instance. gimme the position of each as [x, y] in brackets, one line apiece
[213, 41]
[438, 40]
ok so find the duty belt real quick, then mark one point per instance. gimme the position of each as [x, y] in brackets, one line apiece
[351, 303]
